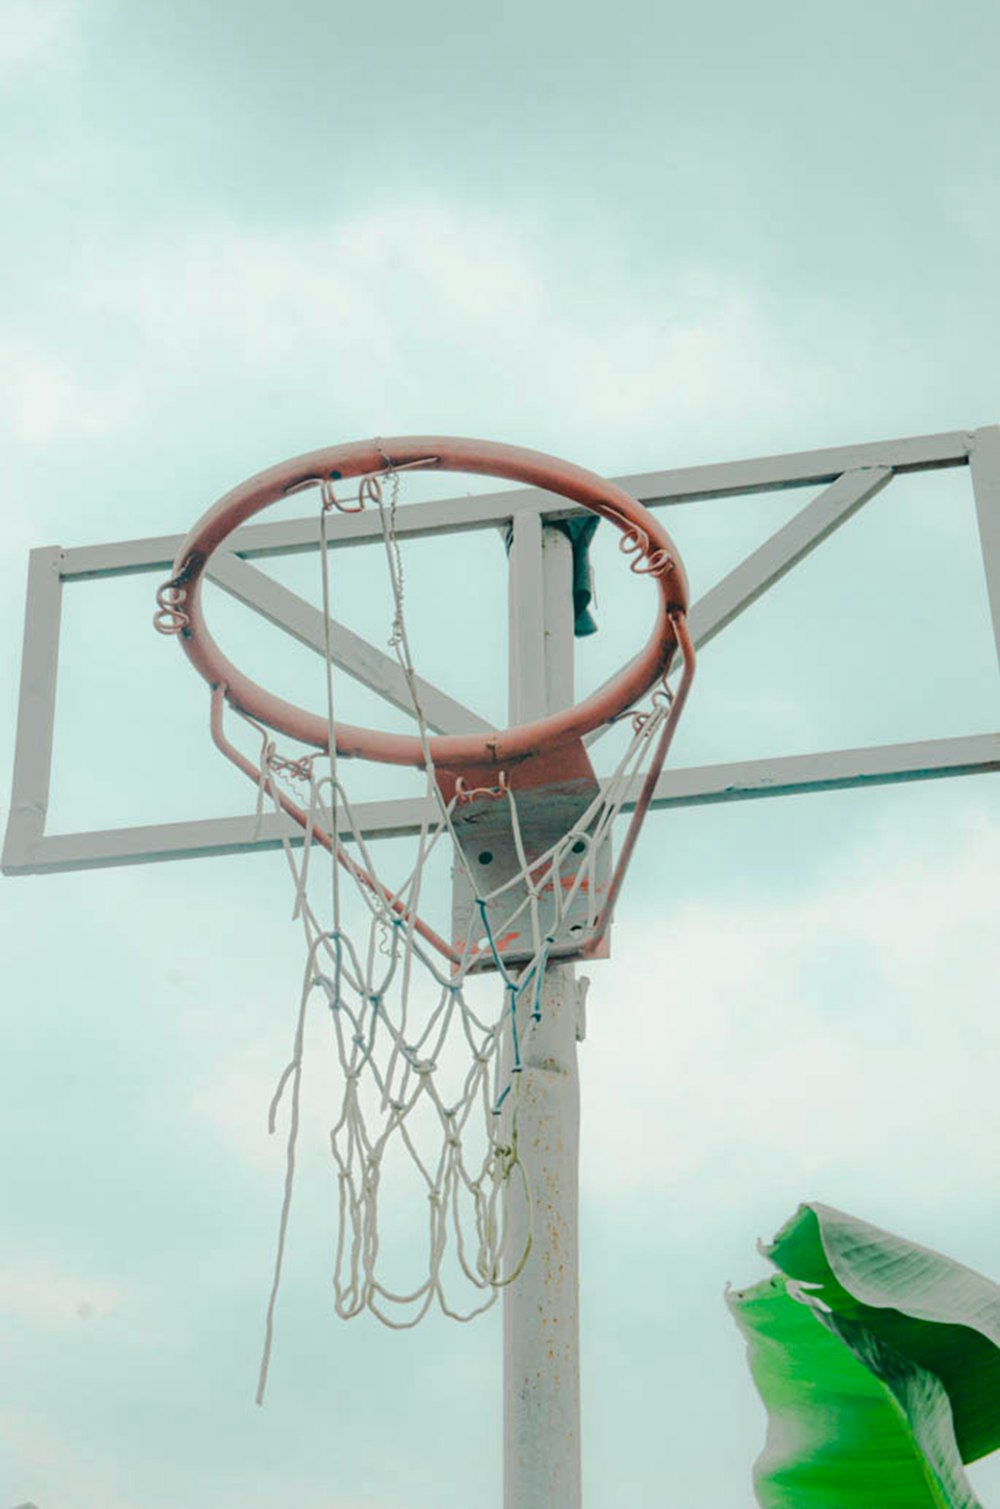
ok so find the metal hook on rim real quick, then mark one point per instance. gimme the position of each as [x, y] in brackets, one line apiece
[466, 793]
[170, 617]
[330, 499]
[370, 489]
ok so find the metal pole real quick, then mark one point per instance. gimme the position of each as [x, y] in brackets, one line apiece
[541, 1307]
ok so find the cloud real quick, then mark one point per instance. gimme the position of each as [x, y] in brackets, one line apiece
[850, 1030]
[36, 32]
[44, 400]
[234, 1100]
[374, 313]
[40, 1292]
[846, 1033]
[42, 1460]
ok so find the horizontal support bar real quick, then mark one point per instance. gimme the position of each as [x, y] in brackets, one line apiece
[293, 536]
[832, 770]
[729, 479]
[205, 837]
[835, 769]
[456, 515]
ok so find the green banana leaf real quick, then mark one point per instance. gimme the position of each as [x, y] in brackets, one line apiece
[851, 1423]
[941, 1316]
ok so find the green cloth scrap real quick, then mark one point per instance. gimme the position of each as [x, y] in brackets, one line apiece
[581, 532]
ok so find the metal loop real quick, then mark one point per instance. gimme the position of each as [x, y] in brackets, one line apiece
[330, 499]
[661, 700]
[634, 541]
[369, 490]
[170, 617]
[660, 563]
[464, 793]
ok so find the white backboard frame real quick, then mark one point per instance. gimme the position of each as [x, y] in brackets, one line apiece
[849, 476]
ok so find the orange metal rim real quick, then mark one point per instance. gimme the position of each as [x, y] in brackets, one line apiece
[650, 549]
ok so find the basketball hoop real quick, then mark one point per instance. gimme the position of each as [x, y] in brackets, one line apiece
[529, 827]
[531, 756]
[649, 547]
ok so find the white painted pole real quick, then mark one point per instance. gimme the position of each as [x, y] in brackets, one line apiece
[541, 1307]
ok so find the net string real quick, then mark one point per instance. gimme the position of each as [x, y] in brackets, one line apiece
[393, 1043]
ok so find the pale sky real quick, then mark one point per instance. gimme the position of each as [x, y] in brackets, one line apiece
[639, 236]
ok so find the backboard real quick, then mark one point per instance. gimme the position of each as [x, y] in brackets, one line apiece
[846, 479]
